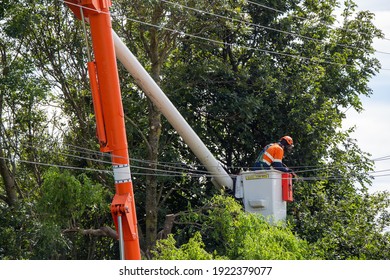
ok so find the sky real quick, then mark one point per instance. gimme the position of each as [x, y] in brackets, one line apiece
[373, 124]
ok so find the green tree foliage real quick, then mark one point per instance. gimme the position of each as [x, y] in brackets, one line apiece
[226, 232]
[23, 116]
[52, 225]
[193, 250]
[15, 233]
[70, 203]
[338, 214]
[62, 190]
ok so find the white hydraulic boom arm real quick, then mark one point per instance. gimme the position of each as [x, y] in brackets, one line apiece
[162, 102]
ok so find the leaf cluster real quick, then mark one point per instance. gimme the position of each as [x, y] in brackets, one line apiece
[226, 232]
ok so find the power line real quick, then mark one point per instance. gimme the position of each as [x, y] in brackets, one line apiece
[382, 158]
[319, 178]
[283, 12]
[267, 27]
[272, 9]
[180, 165]
[189, 172]
[180, 171]
[204, 38]
[313, 59]
[299, 169]
[169, 165]
[379, 171]
[56, 165]
[173, 167]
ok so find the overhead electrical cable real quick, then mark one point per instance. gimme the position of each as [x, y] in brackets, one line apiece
[57, 165]
[170, 165]
[191, 172]
[268, 28]
[190, 168]
[315, 60]
[215, 41]
[174, 169]
[382, 158]
[177, 167]
[109, 171]
[303, 18]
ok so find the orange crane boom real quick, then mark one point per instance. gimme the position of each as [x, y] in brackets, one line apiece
[103, 74]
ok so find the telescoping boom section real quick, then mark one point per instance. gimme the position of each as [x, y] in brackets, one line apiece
[110, 123]
[220, 177]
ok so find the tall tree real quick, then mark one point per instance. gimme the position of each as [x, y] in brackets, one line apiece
[22, 112]
[151, 30]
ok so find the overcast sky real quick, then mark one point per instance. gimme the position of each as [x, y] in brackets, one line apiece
[373, 128]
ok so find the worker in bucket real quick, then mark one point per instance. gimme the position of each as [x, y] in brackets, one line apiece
[272, 156]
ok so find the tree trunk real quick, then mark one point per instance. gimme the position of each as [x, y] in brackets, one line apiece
[151, 202]
[10, 186]
[9, 182]
[154, 117]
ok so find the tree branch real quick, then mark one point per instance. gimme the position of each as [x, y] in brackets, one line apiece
[103, 231]
[141, 133]
[168, 224]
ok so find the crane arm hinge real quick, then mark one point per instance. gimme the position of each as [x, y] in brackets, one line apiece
[121, 206]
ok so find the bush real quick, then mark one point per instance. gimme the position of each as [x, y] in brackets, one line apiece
[227, 232]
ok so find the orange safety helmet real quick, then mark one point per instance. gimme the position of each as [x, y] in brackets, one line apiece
[288, 140]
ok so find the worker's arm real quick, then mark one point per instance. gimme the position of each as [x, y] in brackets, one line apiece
[283, 168]
[280, 167]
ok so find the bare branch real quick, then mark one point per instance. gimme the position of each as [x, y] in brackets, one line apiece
[168, 224]
[103, 231]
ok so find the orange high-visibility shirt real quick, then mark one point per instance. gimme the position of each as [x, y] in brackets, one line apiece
[274, 153]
